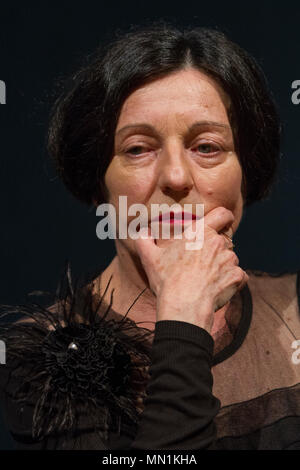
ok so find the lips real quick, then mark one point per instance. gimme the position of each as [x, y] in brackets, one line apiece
[175, 217]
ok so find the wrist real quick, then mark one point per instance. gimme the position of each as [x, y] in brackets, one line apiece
[200, 314]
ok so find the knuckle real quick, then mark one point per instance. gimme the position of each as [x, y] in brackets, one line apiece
[234, 258]
[231, 258]
[220, 242]
[238, 275]
[223, 212]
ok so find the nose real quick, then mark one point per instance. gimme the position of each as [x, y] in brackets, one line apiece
[175, 177]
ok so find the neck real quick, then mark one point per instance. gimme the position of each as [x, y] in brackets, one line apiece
[129, 280]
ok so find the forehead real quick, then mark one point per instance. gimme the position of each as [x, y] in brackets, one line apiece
[184, 95]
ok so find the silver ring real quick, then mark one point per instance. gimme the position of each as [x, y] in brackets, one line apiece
[230, 239]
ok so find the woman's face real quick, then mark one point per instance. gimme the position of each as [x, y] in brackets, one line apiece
[174, 144]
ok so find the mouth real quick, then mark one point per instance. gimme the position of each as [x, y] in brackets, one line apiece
[175, 217]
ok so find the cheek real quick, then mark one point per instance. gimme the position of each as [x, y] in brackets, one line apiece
[223, 187]
[133, 184]
[231, 189]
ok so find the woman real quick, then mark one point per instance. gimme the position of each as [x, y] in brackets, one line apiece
[168, 348]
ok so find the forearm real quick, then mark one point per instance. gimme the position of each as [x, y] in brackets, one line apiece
[179, 407]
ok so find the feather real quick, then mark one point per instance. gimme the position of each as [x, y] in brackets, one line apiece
[76, 363]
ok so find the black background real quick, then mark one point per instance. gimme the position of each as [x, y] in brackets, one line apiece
[41, 223]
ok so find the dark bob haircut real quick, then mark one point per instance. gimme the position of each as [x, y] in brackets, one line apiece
[85, 116]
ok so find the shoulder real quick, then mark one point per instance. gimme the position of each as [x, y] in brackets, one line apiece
[284, 284]
[280, 291]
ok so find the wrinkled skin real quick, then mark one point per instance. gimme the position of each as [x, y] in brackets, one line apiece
[160, 158]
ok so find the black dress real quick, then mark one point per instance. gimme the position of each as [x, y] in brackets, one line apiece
[81, 376]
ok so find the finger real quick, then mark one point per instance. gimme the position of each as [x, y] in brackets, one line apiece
[241, 284]
[220, 219]
[245, 279]
[230, 244]
[145, 246]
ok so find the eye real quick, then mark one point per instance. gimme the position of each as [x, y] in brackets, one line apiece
[207, 148]
[136, 150]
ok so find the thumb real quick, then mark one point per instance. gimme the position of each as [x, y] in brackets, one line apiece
[146, 247]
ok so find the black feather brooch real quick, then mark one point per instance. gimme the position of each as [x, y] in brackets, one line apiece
[80, 363]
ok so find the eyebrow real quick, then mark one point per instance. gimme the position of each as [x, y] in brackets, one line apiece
[191, 128]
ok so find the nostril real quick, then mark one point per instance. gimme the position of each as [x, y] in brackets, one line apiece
[175, 195]
[184, 190]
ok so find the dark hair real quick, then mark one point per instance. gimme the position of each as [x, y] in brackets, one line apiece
[85, 116]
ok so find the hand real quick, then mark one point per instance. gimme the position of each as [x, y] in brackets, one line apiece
[190, 285]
